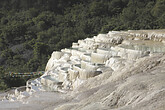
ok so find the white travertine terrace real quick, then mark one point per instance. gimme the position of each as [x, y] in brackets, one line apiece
[113, 50]
[69, 68]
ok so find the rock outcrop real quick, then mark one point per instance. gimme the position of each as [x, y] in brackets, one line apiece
[89, 57]
[120, 70]
[137, 87]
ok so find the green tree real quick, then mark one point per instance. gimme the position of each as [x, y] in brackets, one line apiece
[3, 86]
[98, 8]
[161, 21]
[159, 8]
[40, 49]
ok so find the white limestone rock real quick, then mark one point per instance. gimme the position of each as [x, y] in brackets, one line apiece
[75, 45]
[77, 83]
[54, 57]
[66, 57]
[62, 77]
[99, 58]
[130, 53]
[66, 50]
[57, 55]
[77, 67]
[86, 57]
[75, 60]
[73, 74]
[115, 63]
[85, 74]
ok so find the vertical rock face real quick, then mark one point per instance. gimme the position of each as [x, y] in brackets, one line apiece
[89, 57]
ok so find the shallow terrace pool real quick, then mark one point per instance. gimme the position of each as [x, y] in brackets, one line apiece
[49, 77]
[154, 47]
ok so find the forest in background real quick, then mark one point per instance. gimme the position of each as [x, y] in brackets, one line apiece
[30, 30]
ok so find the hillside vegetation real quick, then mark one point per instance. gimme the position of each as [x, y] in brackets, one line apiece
[31, 30]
